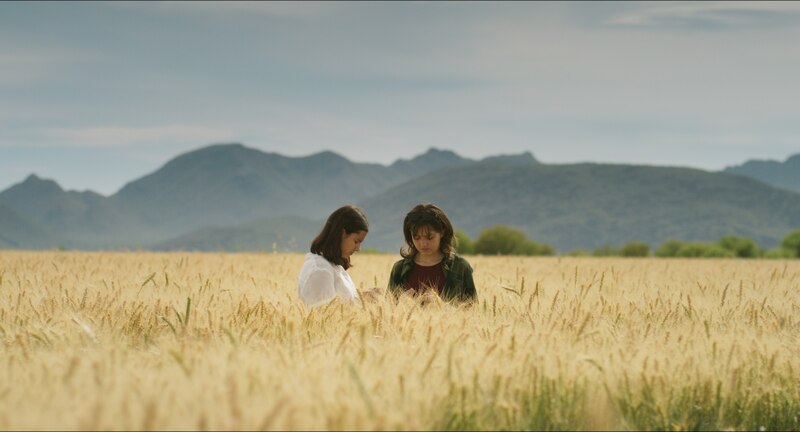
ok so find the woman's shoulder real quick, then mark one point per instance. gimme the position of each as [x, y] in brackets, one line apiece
[314, 261]
[459, 261]
[403, 261]
[315, 267]
[454, 257]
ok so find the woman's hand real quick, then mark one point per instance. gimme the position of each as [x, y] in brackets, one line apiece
[372, 294]
[429, 297]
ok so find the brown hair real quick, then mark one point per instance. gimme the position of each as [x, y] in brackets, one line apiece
[431, 217]
[328, 243]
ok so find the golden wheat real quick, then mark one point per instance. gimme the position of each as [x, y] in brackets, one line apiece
[220, 341]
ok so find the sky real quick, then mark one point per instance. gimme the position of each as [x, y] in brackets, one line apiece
[97, 94]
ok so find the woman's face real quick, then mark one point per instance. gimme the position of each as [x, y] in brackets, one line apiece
[351, 243]
[426, 241]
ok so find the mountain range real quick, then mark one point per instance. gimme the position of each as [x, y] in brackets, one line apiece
[231, 197]
[784, 174]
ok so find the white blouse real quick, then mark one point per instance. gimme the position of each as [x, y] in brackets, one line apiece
[321, 281]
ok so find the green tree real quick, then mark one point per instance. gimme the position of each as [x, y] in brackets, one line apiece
[741, 247]
[605, 251]
[504, 240]
[464, 244]
[778, 253]
[634, 249]
[499, 240]
[792, 243]
[703, 250]
[669, 248]
[716, 251]
[530, 247]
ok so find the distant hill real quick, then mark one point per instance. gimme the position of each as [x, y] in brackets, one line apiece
[231, 197]
[321, 196]
[18, 232]
[431, 160]
[81, 219]
[589, 205]
[784, 175]
[230, 184]
[279, 234]
[435, 159]
[220, 185]
[523, 159]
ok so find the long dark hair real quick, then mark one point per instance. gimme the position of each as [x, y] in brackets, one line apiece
[433, 218]
[328, 242]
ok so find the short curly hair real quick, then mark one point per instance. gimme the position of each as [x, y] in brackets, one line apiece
[427, 216]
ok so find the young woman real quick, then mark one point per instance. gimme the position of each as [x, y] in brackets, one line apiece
[430, 265]
[323, 276]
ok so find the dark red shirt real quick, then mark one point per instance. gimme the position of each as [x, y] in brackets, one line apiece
[422, 278]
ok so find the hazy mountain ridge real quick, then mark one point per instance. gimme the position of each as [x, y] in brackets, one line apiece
[784, 174]
[243, 184]
[88, 218]
[589, 205]
[222, 185]
[283, 234]
[231, 197]
[16, 231]
[246, 184]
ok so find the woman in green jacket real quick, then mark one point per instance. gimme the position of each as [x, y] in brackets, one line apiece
[430, 265]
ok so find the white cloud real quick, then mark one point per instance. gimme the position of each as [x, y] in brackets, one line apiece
[124, 136]
[380, 81]
[23, 64]
[728, 14]
[285, 9]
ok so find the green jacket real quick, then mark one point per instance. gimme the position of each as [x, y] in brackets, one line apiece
[458, 283]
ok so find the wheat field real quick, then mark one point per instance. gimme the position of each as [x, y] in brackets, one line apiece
[220, 341]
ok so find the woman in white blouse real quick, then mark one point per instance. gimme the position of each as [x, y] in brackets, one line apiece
[323, 276]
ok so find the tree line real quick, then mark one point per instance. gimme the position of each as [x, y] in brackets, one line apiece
[505, 240]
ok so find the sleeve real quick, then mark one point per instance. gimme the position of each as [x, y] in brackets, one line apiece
[395, 284]
[470, 294]
[317, 288]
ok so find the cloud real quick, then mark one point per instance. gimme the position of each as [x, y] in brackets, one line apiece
[709, 15]
[124, 136]
[23, 64]
[280, 9]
